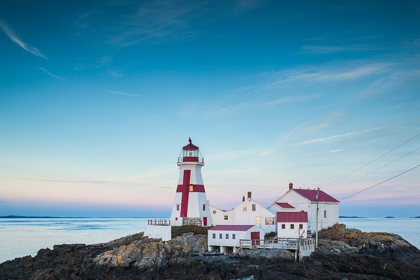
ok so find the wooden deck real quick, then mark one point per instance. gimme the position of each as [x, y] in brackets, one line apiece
[304, 246]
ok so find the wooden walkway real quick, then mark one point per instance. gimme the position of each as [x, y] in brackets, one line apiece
[304, 246]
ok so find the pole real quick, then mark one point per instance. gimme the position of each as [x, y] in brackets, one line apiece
[317, 210]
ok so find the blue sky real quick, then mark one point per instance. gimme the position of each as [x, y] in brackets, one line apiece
[97, 99]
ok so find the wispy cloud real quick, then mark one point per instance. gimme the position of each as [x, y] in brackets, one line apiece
[122, 93]
[348, 134]
[115, 74]
[154, 20]
[292, 99]
[123, 181]
[336, 75]
[335, 151]
[9, 32]
[229, 155]
[51, 74]
[312, 49]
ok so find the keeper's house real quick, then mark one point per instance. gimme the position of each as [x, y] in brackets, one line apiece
[225, 238]
[292, 224]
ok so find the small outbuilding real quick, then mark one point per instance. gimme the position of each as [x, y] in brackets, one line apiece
[225, 238]
[292, 224]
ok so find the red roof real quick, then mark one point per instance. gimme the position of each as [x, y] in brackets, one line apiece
[190, 147]
[292, 217]
[284, 205]
[232, 227]
[311, 195]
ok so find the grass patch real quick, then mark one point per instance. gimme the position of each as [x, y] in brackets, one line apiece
[179, 230]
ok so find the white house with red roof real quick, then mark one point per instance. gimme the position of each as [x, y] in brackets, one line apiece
[222, 217]
[280, 207]
[225, 238]
[248, 212]
[292, 224]
[305, 200]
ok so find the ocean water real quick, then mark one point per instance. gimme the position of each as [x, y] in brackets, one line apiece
[22, 237]
[408, 228]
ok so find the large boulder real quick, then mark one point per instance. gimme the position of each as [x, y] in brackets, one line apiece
[198, 242]
[145, 256]
[125, 240]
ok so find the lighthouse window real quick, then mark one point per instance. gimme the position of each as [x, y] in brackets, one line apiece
[204, 207]
[226, 217]
[191, 188]
[244, 206]
[325, 214]
[257, 219]
[177, 207]
[254, 207]
[214, 211]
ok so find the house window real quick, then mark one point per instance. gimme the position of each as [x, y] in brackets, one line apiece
[244, 206]
[226, 217]
[191, 188]
[176, 218]
[283, 226]
[177, 207]
[254, 207]
[204, 207]
[233, 236]
[325, 214]
[292, 226]
[214, 236]
[227, 236]
[257, 219]
[214, 211]
[269, 221]
[220, 236]
[300, 226]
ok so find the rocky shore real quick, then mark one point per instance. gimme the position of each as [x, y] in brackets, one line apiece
[343, 254]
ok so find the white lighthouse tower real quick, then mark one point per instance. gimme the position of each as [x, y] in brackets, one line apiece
[191, 206]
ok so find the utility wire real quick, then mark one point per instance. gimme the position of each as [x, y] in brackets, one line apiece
[376, 170]
[381, 182]
[372, 161]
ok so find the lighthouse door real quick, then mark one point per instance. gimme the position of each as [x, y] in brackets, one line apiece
[205, 221]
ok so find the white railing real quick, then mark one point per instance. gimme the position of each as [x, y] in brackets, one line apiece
[159, 222]
[305, 244]
[199, 159]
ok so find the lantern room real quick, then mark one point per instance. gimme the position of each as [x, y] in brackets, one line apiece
[190, 153]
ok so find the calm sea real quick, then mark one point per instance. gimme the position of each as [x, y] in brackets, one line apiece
[22, 237]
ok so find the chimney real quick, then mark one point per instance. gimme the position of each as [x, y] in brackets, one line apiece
[243, 199]
[290, 185]
[249, 195]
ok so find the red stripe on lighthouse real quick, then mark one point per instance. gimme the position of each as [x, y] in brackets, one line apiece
[185, 193]
[196, 188]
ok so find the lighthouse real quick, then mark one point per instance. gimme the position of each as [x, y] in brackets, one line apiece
[190, 206]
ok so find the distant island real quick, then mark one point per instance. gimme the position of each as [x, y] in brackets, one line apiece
[418, 217]
[389, 217]
[351, 217]
[36, 217]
